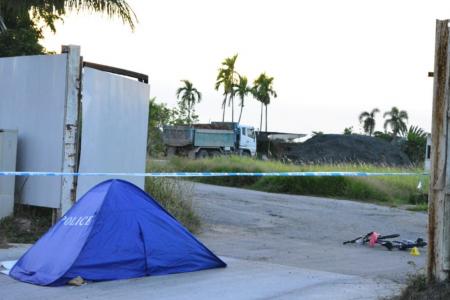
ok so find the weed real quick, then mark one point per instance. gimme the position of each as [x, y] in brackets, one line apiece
[176, 197]
[392, 190]
[27, 225]
[419, 289]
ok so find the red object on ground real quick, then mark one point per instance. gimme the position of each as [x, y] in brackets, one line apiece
[373, 238]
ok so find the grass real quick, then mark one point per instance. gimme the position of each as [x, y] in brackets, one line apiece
[176, 197]
[418, 289]
[391, 190]
[419, 207]
[26, 226]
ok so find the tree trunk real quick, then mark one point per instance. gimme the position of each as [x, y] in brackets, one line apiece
[224, 104]
[232, 109]
[189, 116]
[266, 117]
[240, 114]
[260, 121]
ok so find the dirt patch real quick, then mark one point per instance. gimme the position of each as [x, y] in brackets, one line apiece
[3, 243]
[337, 148]
[26, 226]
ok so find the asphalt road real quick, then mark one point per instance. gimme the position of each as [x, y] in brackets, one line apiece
[307, 232]
[276, 247]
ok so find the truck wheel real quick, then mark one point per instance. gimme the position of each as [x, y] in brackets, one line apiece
[215, 153]
[246, 153]
[202, 154]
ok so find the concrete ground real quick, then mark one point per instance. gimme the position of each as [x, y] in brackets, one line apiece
[242, 279]
[307, 232]
[276, 246]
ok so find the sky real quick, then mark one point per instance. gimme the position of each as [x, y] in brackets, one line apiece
[331, 60]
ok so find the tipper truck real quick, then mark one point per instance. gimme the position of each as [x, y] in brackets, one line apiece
[209, 140]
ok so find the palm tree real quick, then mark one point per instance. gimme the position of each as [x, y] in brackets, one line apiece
[50, 11]
[188, 96]
[227, 79]
[397, 120]
[262, 91]
[242, 89]
[368, 120]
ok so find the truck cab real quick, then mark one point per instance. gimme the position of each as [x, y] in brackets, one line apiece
[247, 140]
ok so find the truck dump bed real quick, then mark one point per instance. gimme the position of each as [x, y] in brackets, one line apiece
[178, 136]
[200, 135]
[214, 138]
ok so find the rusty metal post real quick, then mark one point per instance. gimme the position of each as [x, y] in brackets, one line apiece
[439, 191]
[70, 157]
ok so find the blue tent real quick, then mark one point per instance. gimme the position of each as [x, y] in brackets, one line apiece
[115, 231]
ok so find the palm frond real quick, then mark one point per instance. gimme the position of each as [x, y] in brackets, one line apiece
[363, 115]
[374, 111]
[51, 10]
[111, 8]
[403, 115]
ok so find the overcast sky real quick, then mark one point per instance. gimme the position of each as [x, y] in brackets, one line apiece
[331, 59]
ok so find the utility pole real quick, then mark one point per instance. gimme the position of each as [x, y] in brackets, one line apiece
[439, 190]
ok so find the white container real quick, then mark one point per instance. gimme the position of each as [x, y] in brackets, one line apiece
[8, 151]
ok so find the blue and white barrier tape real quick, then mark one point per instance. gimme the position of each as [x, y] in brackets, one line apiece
[216, 174]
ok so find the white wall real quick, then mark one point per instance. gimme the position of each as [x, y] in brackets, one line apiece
[8, 151]
[32, 97]
[114, 127]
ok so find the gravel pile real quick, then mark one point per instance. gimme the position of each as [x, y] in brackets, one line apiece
[337, 148]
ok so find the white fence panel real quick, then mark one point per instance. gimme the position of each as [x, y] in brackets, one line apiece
[32, 100]
[114, 127]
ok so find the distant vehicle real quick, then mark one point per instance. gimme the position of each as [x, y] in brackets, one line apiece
[209, 140]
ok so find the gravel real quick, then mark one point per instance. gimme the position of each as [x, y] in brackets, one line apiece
[337, 148]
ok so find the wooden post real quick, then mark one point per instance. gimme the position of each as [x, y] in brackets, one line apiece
[439, 191]
[70, 157]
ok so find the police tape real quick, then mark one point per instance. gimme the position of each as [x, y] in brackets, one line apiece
[217, 174]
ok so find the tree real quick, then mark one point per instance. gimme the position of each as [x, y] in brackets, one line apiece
[397, 120]
[158, 116]
[21, 20]
[263, 91]
[242, 89]
[348, 130]
[188, 96]
[49, 11]
[22, 37]
[181, 115]
[368, 120]
[416, 141]
[227, 79]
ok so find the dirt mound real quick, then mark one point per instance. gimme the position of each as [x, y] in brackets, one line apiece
[336, 148]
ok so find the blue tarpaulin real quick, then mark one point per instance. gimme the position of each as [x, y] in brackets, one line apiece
[115, 231]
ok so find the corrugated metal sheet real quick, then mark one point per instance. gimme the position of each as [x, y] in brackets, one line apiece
[114, 130]
[32, 96]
